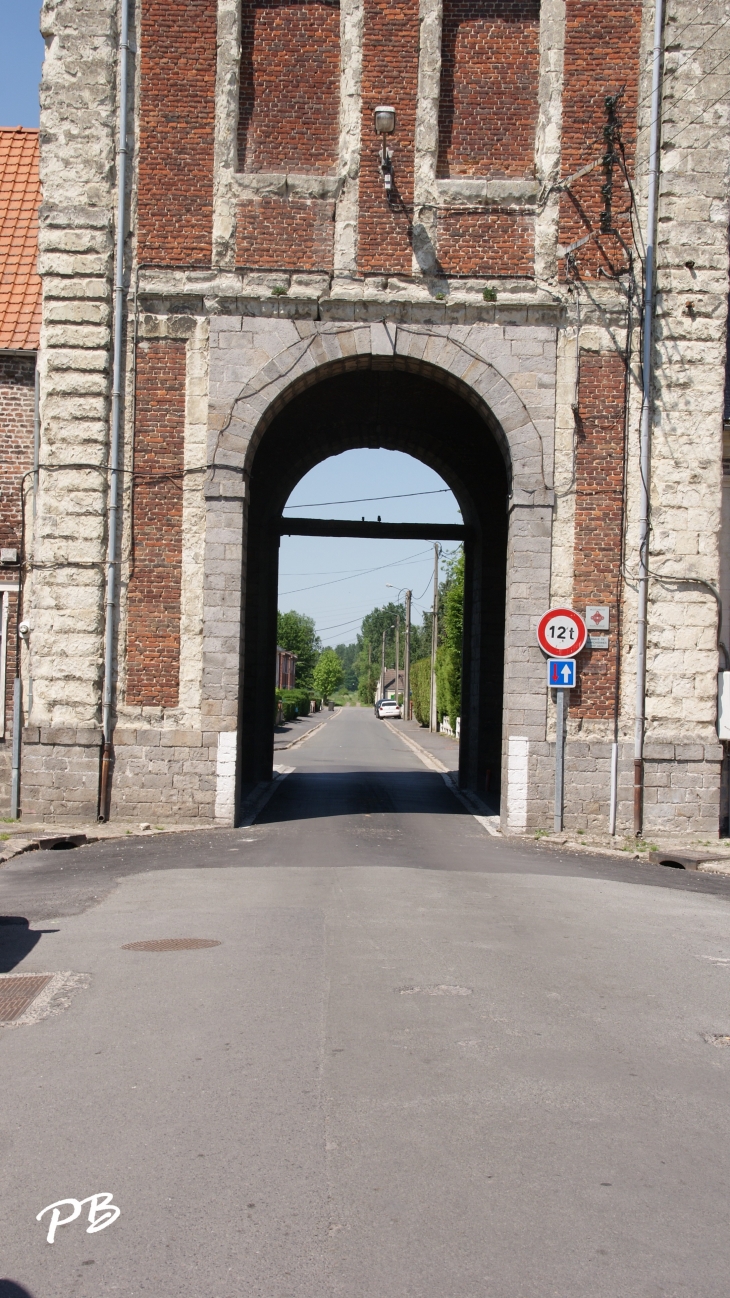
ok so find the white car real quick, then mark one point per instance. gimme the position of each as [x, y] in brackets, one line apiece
[389, 708]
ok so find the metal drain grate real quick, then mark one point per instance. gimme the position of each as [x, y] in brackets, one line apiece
[171, 944]
[16, 993]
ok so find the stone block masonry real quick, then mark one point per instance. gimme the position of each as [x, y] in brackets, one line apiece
[153, 602]
[164, 775]
[61, 773]
[289, 95]
[177, 118]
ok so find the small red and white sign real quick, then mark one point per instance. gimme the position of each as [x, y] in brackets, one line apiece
[598, 617]
[561, 633]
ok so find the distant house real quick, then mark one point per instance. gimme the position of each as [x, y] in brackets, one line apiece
[20, 318]
[286, 668]
[387, 684]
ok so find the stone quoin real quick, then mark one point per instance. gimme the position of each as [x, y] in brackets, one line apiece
[504, 276]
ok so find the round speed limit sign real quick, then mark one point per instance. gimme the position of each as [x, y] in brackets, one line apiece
[561, 633]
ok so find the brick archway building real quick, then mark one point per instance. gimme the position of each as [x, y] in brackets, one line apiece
[262, 253]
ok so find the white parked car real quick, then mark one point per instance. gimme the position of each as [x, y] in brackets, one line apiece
[389, 708]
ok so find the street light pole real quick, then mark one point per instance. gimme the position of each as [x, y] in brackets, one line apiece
[407, 662]
[433, 720]
[397, 653]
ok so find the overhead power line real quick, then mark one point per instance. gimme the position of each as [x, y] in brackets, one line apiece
[363, 500]
[394, 563]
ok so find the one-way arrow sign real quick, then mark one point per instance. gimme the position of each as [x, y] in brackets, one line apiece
[561, 673]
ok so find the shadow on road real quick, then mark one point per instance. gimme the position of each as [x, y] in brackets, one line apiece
[17, 940]
[9, 1289]
[311, 795]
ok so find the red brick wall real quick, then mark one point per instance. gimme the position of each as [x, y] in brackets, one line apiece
[153, 627]
[601, 57]
[285, 233]
[485, 243]
[17, 401]
[390, 76]
[490, 57]
[289, 104]
[177, 91]
[599, 487]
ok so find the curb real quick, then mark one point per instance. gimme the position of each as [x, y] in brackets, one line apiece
[473, 804]
[303, 738]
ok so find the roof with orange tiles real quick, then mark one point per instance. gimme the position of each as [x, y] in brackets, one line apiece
[20, 196]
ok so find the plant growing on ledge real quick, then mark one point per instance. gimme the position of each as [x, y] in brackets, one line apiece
[278, 290]
[489, 294]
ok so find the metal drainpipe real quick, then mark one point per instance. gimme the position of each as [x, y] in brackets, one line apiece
[645, 432]
[117, 376]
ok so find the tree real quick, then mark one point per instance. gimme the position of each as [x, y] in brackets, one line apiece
[347, 653]
[328, 673]
[297, 633]
[451, 631]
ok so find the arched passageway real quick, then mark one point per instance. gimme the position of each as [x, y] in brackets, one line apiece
[395, 409]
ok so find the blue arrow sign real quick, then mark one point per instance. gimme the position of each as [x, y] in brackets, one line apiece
[561, 673]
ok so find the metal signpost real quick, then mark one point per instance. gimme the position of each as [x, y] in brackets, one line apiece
[561, 634]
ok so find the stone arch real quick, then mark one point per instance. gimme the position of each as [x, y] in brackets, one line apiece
[302, 354]
[259, 366]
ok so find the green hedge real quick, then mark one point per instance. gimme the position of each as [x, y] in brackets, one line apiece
[294, 703]
[421, 689]
[448, 687]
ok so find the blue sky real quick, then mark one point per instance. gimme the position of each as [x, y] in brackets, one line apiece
[21, 56]
[337, 581]
[334, 581]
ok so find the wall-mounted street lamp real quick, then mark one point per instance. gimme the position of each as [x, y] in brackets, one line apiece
[384, 121]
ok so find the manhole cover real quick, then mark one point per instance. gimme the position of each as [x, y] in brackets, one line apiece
[442, 989]
[171, 944]
[16, 993]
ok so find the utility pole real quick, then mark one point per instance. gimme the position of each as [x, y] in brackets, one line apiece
[382, 669]
[434, 638]
[370, 664]
[407, 662]
[397, 653]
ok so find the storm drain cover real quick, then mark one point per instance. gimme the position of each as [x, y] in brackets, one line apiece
[16, 993]
[171, 944]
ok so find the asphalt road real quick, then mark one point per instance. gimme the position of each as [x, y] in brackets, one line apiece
[423, 1062]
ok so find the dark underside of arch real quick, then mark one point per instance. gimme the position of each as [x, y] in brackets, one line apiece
[398, 411]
